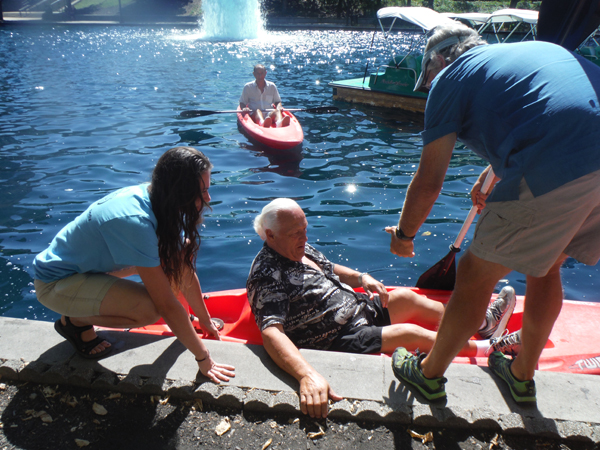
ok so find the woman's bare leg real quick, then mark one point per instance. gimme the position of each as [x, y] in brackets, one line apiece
[127, 304]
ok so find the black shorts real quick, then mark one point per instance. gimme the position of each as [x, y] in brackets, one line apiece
[365, 338]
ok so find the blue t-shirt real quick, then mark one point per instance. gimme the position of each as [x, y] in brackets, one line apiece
[116, 232]
[530, 109]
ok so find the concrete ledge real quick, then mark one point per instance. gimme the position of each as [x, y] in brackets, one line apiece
[568, 405]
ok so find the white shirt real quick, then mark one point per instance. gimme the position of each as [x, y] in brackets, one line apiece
[255, 99]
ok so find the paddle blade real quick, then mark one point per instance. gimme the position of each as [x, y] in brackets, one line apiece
[204, 112]
[196, 113]
[322, 110]
[442, 275]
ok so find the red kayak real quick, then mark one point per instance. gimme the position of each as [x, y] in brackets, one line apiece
[279, 138]
[574, 345]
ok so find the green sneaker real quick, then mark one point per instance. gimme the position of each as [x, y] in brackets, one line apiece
[407, 367]
[522, 391]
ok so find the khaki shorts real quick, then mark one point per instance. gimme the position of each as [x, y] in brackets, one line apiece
[528, 235]
[79, 295]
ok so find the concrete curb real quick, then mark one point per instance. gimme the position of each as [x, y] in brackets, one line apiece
[153, 365]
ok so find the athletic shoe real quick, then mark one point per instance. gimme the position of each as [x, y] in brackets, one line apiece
[498, 313]
[509, 344]
[522, 391]
[407, 367]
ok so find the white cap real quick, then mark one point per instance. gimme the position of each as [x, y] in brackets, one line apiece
[427, 58]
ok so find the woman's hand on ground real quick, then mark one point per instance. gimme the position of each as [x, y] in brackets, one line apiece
[216, 372]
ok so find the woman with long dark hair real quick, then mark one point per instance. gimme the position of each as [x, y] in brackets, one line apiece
[148, 230]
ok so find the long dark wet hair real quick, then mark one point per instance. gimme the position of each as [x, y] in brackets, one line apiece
[175, 187]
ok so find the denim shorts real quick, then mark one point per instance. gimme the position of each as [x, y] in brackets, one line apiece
[364, 338]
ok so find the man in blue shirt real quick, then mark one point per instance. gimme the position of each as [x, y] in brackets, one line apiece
[532, 111]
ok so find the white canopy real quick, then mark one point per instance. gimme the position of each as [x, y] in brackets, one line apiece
[514, 15]
[425, 18]
[473, 17]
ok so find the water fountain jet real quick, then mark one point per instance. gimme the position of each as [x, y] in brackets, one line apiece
[234, 20]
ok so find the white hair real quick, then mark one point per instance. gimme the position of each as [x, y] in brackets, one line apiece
[459, 37]
[267, 219]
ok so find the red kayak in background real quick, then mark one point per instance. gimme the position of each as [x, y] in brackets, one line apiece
[573, 346]
[281, 138]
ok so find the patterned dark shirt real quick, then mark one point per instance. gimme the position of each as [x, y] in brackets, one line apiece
[313, 306]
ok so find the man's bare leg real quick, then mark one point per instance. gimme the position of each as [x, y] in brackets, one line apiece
[413, 337]
[543, 303]
[475, 283]
[406, 305]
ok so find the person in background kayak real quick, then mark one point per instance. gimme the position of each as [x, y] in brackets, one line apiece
[150, 230]
[300, 299]
[532, 110]
[260, 95]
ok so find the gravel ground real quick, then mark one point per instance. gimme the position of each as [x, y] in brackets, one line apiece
[65, 417]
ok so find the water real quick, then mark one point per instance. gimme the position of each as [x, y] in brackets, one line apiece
[86, 110]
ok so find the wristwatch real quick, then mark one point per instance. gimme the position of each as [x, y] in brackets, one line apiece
[400, 235]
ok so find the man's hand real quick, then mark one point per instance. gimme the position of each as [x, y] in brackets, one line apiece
[477, 197]
[372, 286]
[399, 247]
[314, 389]
[315, 393]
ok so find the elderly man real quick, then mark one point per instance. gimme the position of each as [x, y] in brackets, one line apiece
[259, 95]
[300, 299]
[532, 111]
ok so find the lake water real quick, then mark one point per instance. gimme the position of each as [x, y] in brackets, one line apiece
[86, 110]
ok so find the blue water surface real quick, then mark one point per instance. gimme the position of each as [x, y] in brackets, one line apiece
[86, 110]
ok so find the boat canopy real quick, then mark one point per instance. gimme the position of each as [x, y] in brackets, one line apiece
[514, 15]
[522, 20]
[425, 18]
[474, 19]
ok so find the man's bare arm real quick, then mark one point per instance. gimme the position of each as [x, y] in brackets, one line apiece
[314, 389]
[423, 191]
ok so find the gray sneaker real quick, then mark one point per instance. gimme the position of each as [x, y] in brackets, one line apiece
[498, 314]
[509, 344]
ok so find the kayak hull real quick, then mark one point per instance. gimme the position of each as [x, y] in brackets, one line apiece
[573, 346]
[282, 138]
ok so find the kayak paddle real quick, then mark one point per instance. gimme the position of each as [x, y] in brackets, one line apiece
[207, 112]
[443, 274]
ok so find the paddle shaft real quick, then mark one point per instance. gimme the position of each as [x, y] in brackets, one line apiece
[471, 216]
[205, 112]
